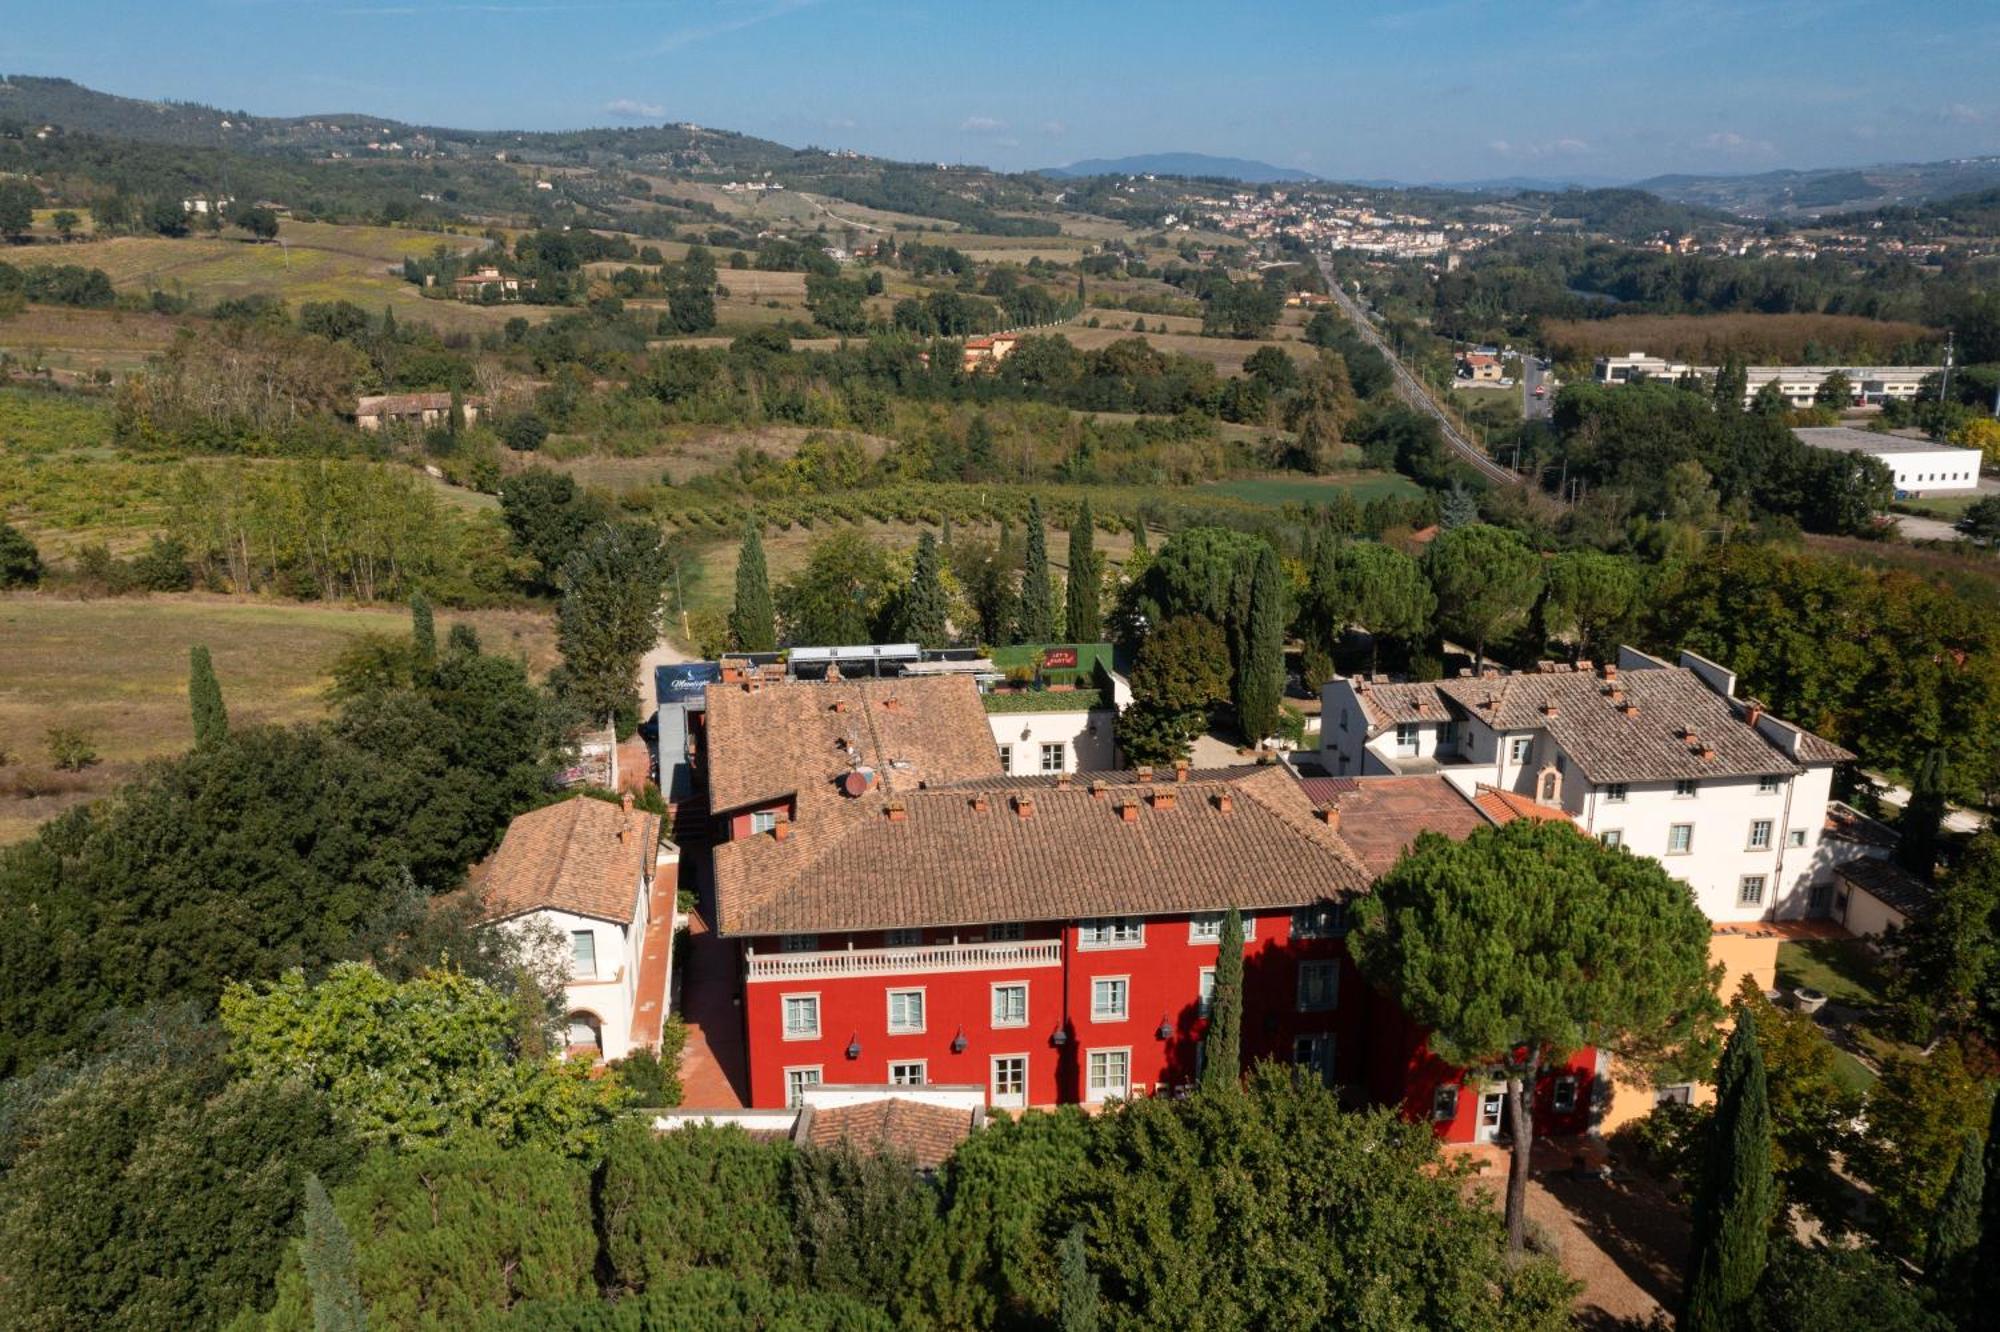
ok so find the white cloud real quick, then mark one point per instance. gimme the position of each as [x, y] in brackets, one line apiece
[1055, 129]
[1958, 113]
[1739, 145]
[981, 125]
[1529, 152]
[678, 38]
[626, 108]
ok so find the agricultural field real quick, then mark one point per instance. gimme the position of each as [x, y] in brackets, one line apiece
[1290, 488]
[74, 343]
[117, 670]
[311, 261]
[1227, 355]
[1769, 339]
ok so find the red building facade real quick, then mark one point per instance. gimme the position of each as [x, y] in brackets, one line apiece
[905, 914]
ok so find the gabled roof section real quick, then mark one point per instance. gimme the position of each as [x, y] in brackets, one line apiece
[769, 741]
[1385, 705]
[584, 856]
[980, 852]
[1656, 724]
[1380, 816]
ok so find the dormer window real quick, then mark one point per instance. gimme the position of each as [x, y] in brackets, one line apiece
[763, 821]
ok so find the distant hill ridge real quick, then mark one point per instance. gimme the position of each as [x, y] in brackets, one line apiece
[1244, 169]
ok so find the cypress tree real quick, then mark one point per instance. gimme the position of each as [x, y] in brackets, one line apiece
[1085, 620]
[327, 1254]
[924, 608]
[1923, 816]
[1260, 675]
[423, 639]
[211, 719]
[1955, 1231]
[1079, 1303]
[1223, 1047]
[1139, 546]
[1037, 613]
[1987, 1257]
[1737, 1196]
[753, 622]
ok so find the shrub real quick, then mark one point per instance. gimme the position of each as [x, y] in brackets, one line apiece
[70, 748]
[20, 562]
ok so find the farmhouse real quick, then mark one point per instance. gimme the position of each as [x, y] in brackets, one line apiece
[989, 351]
[601, 879]
[488, 283]
[419, 409]
[1479, 367]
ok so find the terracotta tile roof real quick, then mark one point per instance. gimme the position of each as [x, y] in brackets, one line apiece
[571, 857]
[1246, 838]
[1381, 816]
[1650, 744]
[1387, 704]
[1889, 882]
[802, 737]
[393, 404]
[927, 1134]
[1506, 806]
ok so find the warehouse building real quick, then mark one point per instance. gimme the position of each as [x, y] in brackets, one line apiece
[1919, 466]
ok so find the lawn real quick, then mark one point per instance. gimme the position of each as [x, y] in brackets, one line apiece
[117, 669]
[1841, 969]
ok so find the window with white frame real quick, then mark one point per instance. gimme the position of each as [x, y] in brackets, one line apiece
[1319, 986]
[1010, 1004]
[1010, 1079]
[906, 1012]
[1207, 928]
[801, 1017]
[1795, 837]
[1444, 1104]
[1109, 1074]
[1612, 837]
[796, 1082]
[1685, 787]
[1112, 932]
[1767, 784]
[1110, 997]
[1007, 931]
[1563, 1098]
[763, 820]
[1321, 920]
[798, 943]
[1312, 1057]
[907, 1073]
[1614, 793]
[1760, 834]
[902, 938]
[1406, 737]
[1055, 757]
[1006, 758]
[583, 953]
[1680, 837]
[1750, 890]
[1519, 748]
[1205, 1004]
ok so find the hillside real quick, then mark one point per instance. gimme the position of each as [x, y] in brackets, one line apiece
[1248, 171]
[1812, 192]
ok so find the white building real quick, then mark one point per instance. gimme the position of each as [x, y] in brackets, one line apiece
[1662, 760]
[1798, 385]
[598, 875]
[1050, 737]
[1919, 466]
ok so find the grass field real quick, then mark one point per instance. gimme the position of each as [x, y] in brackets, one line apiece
[118, 670]
[314, 261]
[1227, 355]
[77, 342]
[1969, 572]
[1703, 339]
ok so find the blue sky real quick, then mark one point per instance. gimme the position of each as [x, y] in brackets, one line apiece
[1428, 90]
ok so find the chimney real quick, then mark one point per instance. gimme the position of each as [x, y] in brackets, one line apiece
[840, 705]
[1629, 708]
[979, 802]
[1586, 666]
[1611, 670]
[1145, 773]
[781, 830]
[1163, 798]
[1707, 751]
[1753, 712]
[1330, 816]
[1128, 809]
[890, 705]
[1024, 804]
[625, 802]
[1098, 787]
[1687, 734]
[1549, 708]
[625, 824]
[1063, 780]
[1180, 770]
[1222, 802]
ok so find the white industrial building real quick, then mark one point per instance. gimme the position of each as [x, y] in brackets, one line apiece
[1660, 759]
[1919, 466]
[1798, 385]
